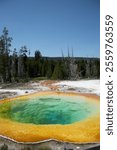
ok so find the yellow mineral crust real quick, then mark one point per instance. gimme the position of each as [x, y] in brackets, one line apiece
[87, 130]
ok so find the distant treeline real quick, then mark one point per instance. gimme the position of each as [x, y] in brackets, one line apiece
[18, 65]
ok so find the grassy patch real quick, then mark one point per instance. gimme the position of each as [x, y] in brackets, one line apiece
[39, 78]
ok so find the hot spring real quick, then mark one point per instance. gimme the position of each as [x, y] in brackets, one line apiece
[42, 113]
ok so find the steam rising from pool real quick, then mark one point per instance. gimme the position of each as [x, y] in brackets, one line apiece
[50, 109]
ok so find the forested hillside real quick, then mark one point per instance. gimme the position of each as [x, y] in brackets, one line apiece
[18, 65]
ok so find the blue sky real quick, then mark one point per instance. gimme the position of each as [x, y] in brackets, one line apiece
[52, 25]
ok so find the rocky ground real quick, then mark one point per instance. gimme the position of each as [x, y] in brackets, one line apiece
[6, 144]
[16, 89]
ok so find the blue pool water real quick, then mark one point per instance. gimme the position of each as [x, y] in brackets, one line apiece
[48, 110]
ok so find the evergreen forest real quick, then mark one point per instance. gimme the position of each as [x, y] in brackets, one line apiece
[18, 65]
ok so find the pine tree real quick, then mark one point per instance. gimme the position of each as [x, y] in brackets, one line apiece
[5, 44]
[14, 65]
[44, 68]
[37, 63]
[58, 72]
[22, 62]
[49, 70]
